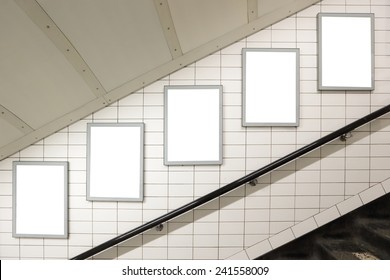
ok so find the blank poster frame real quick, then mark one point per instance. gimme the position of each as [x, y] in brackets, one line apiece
[40, 199]
[115, 161]
[346, 51]
[193, 125]
[271, 86]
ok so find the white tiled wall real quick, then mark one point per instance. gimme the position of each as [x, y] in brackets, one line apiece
[285, 204]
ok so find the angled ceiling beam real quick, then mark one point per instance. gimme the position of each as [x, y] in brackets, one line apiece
[168, 27]
[38, 15]
[252, 10]
[12, 119]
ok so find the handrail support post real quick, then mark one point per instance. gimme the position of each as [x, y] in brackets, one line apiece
[253, 182]
[159, 227]
[345, 136]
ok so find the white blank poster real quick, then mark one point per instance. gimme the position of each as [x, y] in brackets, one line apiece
[270, 87]
[115, 162]
[346, 51]
[193, 125]
[40, 191]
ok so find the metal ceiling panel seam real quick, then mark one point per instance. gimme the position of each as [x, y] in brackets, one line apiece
[39, 16]
[118, 39]
[252, 10]
[16, 122]
[170, 34]
[199, 22]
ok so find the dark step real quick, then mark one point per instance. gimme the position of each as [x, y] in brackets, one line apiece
[367, 229]
[301, 249]
[341, 249]
[379, 208]
[376, 232]
[293, 256]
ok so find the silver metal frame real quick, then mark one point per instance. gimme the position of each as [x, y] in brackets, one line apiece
[15, 200]
[167, 161]
[141, 126]
[244, 91]
[320, 42]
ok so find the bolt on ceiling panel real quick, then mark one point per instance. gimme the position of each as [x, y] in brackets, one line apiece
[38, 84]
[118, 39]
[198, 22]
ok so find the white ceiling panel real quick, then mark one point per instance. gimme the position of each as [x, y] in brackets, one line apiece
[198, 22]
[119, 39]
[37, 83]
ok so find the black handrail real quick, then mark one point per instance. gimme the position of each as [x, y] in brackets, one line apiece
[229, 187]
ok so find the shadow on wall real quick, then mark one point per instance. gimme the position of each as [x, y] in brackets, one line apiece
[198, 214]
